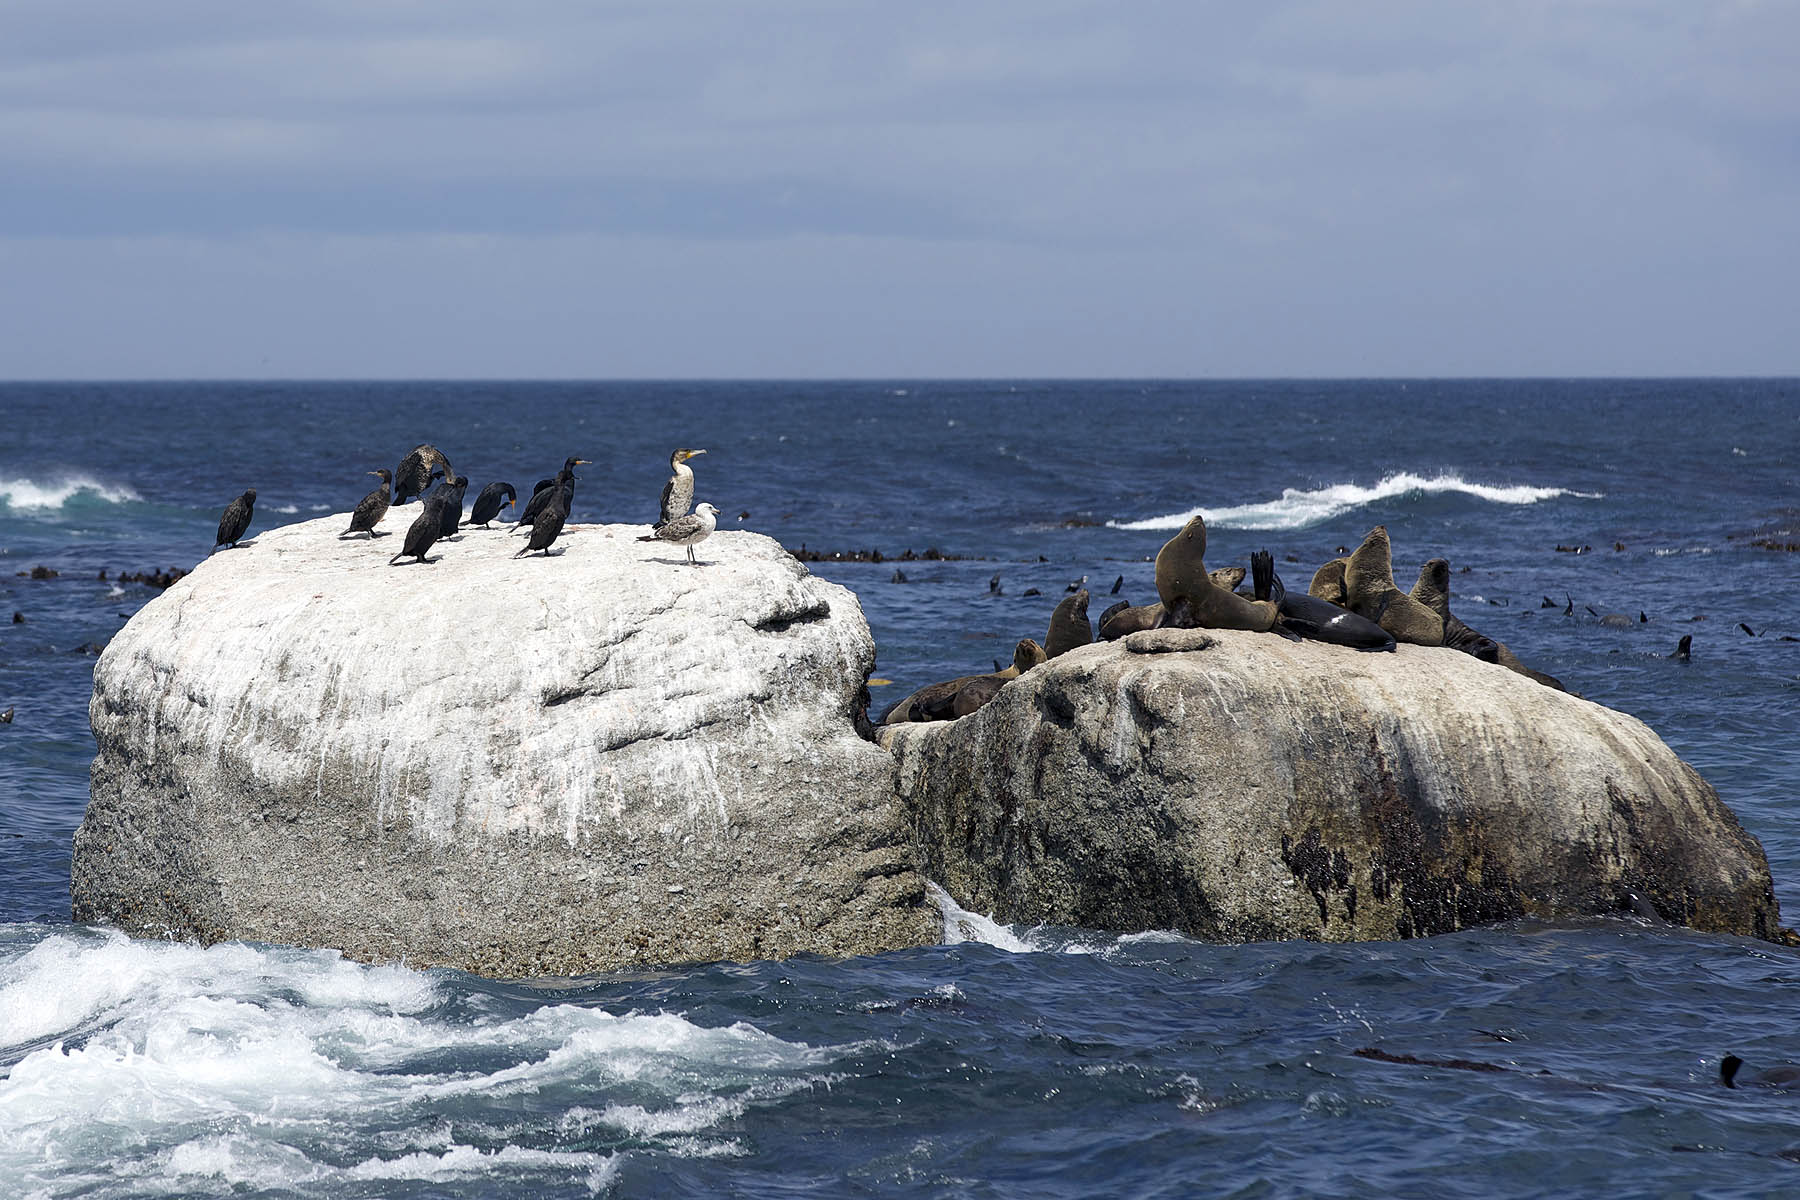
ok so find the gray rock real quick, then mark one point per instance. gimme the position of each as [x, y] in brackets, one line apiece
[542, 766]
[1274, 789]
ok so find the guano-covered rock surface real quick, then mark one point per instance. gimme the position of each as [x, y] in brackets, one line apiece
[513, 766]
[1239, 786]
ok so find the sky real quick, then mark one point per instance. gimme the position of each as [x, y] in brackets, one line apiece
[690, 189]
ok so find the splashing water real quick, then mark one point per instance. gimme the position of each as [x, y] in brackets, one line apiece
[1297, 509]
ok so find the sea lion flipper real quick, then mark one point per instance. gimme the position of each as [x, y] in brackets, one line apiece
[1262, 573]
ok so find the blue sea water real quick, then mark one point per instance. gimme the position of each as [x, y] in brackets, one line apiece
[1009, 1061]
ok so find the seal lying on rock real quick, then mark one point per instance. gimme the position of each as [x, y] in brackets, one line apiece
[963, 695]
[1190, 598]
[1371, 592]
[1433, 591]
[1120, 620]
[1308, 616]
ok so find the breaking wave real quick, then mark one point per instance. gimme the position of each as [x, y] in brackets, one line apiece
[1296, 508]
[25, 495]
[141, 1068]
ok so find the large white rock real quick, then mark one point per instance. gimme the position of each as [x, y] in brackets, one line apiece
[514, 766]
[1257, 788]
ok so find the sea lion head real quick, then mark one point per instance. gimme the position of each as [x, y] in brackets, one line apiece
[1433, 588]
[1028, 654]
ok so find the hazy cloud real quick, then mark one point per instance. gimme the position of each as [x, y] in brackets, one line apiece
[1162, 188]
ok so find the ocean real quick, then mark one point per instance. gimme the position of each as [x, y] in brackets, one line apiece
[1516, 1060]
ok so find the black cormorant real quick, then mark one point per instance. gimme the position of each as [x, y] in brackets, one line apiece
[371, 508]
[448, 496]
[422, 534]
[493, 498]
[235, 520]
[416, 469]
[564, 481]
[547, 523]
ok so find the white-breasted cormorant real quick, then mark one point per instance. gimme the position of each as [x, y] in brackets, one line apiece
[678, 493]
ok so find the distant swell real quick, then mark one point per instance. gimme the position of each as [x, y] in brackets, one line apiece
[22, 495]
[1296, 509]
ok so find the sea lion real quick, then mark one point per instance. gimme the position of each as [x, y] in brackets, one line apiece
[1191, 599]
[1118, 621]
[1433, 590]
[1069, 625]
[1328, 582]
[1785, 1078]
[1227, 577]
[1371, 592]
[1112, 610]
[1684, 648]
[1310, 617]
[945, 701]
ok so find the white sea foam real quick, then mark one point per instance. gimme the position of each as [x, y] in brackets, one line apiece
[288, 508]
[1297, 508]
[961, 925]
[31, 494]
[157, 1068]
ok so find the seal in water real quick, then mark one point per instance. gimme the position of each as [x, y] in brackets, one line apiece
[1310, 617]
[235, 520]
[1784, 1077]
[1369, 585]
[963, 695]
[1191, 599]
[1069, 625]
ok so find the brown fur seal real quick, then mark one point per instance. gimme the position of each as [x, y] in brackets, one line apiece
[946, 701]
[1328, 583]
[1227, 578]
[1433, 591]
[1189, 596]
[1372, 593]
[1069, 625]
[1115, 625]
[1121, 620]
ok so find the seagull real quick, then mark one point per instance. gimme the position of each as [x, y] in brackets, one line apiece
[687, 531]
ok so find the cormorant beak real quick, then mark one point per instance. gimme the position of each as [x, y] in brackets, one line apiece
[584, 462]
[693, 454]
